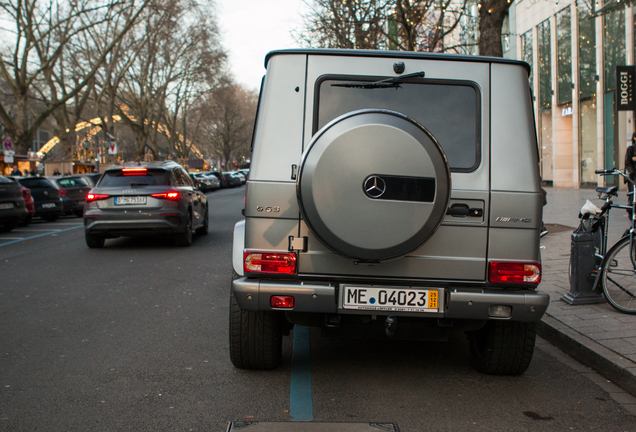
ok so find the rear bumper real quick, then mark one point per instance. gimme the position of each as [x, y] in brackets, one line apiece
[13, 215]
[459, 303]
[132, 225]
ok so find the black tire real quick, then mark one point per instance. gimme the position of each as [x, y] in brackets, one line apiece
[256, 341]
[50, 218]
[618, 278]
[7, 227]
[26, 221]
[94, 241]
[184, 239]
[503, 347]
[203, 230]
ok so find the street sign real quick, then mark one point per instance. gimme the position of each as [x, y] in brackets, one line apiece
[8, 145]
[8, 156]
[112, 149]
[625, 85]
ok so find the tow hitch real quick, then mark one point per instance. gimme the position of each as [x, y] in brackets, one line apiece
[390, 325]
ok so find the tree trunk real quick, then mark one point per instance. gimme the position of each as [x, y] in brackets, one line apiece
[491, 17]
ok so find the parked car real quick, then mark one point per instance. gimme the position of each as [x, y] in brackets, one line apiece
[352, 222]
[91, 178]
[12, 205]
[205, 182]
[73, 191]
[242, 177]
[224, 180]
[148, 198]
[231, 179]
[214, 182]
[29, 204]
[46, 196]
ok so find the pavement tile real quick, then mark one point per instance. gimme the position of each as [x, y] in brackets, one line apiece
[632, 357]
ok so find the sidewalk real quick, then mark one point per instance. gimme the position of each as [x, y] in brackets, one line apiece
[596, 335]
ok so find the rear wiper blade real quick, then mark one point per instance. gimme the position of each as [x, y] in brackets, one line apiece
[385, 83]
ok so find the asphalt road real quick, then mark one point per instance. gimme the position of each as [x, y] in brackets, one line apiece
[133, 337]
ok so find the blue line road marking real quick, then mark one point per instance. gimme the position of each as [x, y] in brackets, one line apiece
[301, 407]
[39, 235]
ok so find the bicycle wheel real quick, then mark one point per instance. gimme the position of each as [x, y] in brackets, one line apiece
[619, 278]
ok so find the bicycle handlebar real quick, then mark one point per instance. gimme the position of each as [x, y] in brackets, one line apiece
[615, 171]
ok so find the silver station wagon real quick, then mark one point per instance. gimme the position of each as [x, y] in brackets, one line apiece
[391, 194]
[146, 198]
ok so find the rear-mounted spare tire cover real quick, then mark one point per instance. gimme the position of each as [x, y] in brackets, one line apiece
[373, 185]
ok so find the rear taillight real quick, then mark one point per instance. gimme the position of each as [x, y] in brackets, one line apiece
[269, 262]
[514, 272]
[172, 196]
[95, 197]
[63, 192]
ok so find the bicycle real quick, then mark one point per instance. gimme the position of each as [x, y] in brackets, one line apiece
[617, 269]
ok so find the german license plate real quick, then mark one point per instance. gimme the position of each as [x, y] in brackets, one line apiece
[390, 299]
[48, 205]
[6, 206]
[130, 200]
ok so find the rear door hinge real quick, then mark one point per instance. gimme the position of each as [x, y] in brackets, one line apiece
[294, 172]
[297, 244]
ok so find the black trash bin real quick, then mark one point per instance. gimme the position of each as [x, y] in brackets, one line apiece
[583, 263]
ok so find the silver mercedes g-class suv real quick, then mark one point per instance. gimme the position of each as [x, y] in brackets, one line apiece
[394, 194]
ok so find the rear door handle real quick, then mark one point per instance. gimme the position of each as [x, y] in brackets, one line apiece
[463, 210]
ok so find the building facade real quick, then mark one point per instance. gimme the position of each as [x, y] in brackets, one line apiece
[573, 48]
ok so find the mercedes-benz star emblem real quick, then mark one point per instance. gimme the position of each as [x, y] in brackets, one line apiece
[374, 186]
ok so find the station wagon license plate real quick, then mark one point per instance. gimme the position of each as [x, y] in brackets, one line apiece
[131, 200]
[48, 205]
[390, 299]
[6, 206]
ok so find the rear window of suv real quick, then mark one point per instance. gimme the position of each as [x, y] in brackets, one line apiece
[450, 111]
[151, 177]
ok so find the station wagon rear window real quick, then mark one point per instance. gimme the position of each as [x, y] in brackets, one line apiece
[150, 177]
[450, 111]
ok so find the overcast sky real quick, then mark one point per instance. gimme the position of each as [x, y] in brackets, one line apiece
[252, 28]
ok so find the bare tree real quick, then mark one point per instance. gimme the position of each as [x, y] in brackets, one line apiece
[354, 24]
[230, 112]
[408, 25]
[424, 25]
[180, 56]
[30, 61]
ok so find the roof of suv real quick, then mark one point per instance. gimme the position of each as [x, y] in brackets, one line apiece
[396, 54]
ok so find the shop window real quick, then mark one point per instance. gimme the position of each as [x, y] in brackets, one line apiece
[564, 56]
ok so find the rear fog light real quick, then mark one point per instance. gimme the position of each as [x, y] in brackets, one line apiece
[282, 302]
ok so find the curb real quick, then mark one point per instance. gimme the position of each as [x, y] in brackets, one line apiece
[606, 362]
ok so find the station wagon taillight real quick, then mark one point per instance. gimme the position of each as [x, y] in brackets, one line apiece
[96, 197]
[514, 272]
[172, 196]
[269, 262]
